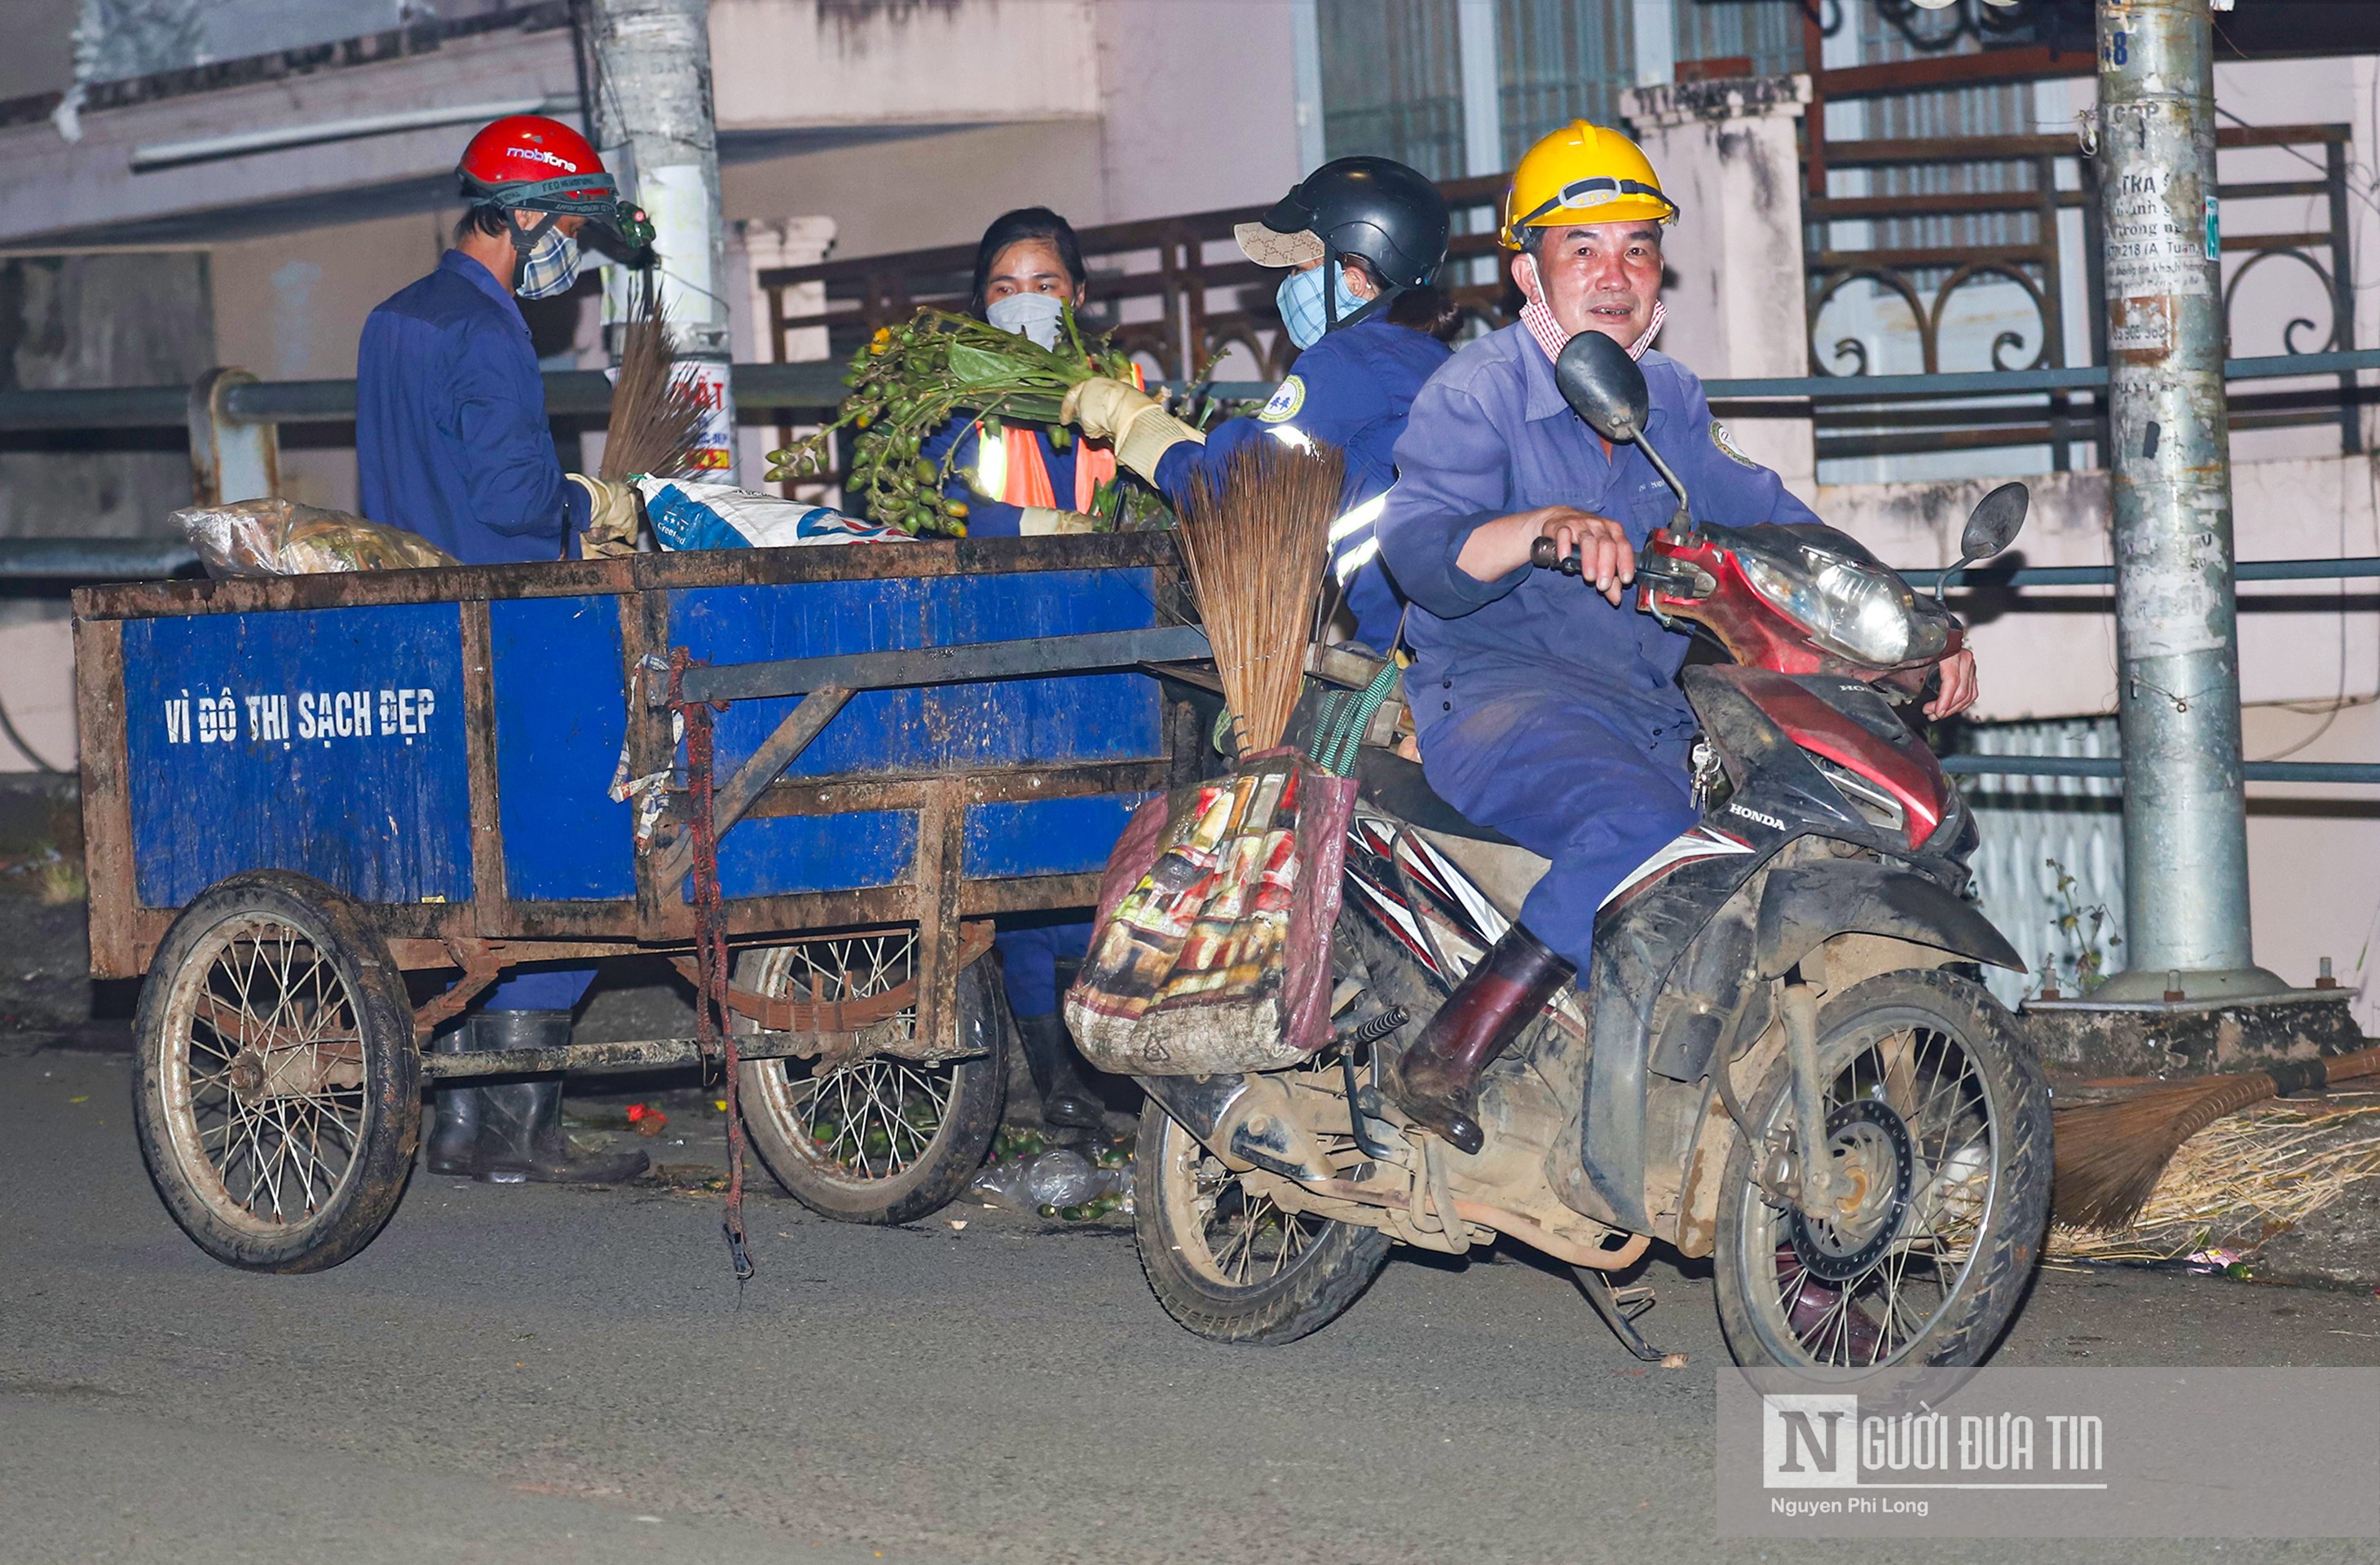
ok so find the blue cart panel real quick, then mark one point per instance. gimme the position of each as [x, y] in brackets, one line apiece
[453, 748]
[328, 741]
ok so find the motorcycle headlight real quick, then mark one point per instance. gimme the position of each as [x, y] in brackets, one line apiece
[1855, 610]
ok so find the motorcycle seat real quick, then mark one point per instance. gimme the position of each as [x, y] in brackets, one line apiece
[1390, 783]
[1501, 869]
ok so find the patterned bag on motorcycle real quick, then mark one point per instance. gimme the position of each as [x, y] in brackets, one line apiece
[1212, 948]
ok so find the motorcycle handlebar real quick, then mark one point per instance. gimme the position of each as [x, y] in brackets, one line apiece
[1543, 555]
[1651, 566]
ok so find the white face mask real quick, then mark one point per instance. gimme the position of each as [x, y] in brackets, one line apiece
[1031, 316]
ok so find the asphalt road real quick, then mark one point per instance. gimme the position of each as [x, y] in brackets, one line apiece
[523, 1373]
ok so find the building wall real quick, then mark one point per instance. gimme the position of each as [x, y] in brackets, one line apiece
[801, 61]
[928, 191]
[1198, 104]
[142, 318]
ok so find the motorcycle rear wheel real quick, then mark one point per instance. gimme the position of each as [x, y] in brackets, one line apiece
[1934, 1096]
[1227, 1262]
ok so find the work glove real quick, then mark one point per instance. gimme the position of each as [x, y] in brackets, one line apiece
[1143, 431]
[614, 511]
[1040, 521]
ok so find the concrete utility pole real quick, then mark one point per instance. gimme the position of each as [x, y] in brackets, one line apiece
[2169, 470]
[654, 125]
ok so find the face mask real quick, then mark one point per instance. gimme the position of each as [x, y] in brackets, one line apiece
[1032, 316]
[549, 267]
[1300, 298]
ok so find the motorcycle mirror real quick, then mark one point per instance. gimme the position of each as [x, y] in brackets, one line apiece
[1994, 524]
[1603, 386]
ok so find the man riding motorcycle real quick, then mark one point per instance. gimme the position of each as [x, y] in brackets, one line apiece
[1545, 706]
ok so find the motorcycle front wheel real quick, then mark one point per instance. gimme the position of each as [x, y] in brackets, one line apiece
[1939, 1117]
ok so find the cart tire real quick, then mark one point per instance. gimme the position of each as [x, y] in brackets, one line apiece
[290, 1156]
[896, 1140]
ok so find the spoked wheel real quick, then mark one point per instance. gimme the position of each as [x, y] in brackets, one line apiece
[278, 1098]
[1938, 1115]
[1224, 1260]
[883, 1139]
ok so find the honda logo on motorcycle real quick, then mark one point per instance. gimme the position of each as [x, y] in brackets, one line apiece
[1753, 815]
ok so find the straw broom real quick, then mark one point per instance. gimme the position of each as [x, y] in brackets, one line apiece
[1257, 546]
[655, 418]
[2261, 1170]
[2107, 1156]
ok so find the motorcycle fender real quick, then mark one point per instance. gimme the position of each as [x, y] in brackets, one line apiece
[1805, 905]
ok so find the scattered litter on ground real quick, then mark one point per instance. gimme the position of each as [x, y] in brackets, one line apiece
[648, 1120]
[1026, 1174]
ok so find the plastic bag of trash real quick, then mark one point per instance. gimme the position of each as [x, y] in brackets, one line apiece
[1002, 1184]
[1061, 1178]
[685, 514]
[283, 538]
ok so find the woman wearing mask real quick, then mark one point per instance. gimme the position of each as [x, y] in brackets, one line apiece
[1013, 479]
[1016, 481]
[1364, 238]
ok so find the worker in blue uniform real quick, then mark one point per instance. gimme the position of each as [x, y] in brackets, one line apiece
[452, 443]
[1364, 238]
[1546, 705]
[1018, 479]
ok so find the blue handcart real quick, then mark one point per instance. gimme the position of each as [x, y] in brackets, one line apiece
[324, 813]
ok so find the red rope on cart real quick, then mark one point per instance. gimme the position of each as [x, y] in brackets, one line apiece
[713, 1027]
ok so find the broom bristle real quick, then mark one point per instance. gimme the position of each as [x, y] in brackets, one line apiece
[2107, 1156]
[1257, 546]
[655, 418]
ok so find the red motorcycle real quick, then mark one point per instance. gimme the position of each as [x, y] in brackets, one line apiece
[1781, 1056]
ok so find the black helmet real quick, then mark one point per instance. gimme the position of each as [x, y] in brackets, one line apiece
[1376, 208]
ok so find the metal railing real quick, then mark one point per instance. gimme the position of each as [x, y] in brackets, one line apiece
[763, 390]
[1914, 252]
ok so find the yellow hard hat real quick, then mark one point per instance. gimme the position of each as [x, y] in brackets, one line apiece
[1583, 174]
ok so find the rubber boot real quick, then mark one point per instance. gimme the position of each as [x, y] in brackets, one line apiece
[521, 1139]
[1434, 1081]
[454, 1114]
[1049, 1055]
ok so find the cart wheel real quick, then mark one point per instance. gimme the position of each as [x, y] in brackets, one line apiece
[884, 1140]
[279, 1098]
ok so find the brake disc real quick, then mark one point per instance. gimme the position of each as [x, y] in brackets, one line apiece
[1874, 1140]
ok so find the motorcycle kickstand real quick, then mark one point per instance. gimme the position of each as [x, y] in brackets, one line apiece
[1619, 1307]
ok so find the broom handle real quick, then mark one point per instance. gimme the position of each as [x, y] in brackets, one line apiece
[2292, 1076]
[2348, 1067]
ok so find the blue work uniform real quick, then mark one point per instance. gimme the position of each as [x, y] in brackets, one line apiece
[1354, 389]
[1542, 710]
[452, 443]
[451, 435]
[969, 481]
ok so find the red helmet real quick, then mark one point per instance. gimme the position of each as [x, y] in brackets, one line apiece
[532, 163]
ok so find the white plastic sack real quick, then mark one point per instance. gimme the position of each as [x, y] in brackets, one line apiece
[686, 515]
